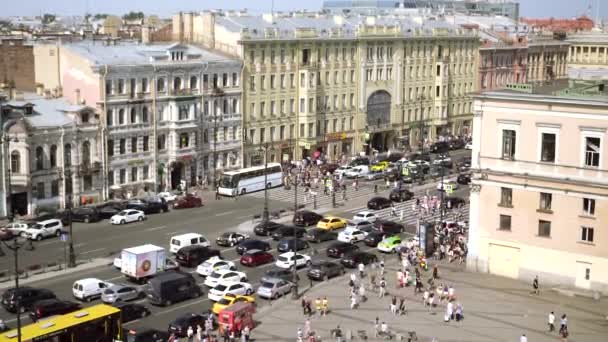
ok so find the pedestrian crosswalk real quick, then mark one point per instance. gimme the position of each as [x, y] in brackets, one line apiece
[404, 213]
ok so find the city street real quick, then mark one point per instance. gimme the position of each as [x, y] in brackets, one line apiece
[101, 240]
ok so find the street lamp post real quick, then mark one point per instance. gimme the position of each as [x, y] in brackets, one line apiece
[294, 293]
[265, 212]
[72, 255]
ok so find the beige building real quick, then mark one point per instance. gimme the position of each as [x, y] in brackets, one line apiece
[588, 56]
[547, 59]
[342, 84]
[539, 197]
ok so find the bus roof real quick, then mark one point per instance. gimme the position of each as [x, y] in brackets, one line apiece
[59, 323]
[254, 168]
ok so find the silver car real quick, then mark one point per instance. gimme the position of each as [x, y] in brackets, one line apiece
[360, 225]
[120, 293]
[273, 288]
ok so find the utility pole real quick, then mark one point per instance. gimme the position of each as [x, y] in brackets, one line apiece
[72, 255]
[265, 212]
[295, 209]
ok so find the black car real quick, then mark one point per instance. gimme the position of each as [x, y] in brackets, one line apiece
[148, 335]
[109, 209]
[352, 260]
[229, 239]
[319, 235]
[286, 231]
[339, 249]
[193, 255]
[436, 170]
[359, 161]
[324, 270]
[51, 307]
[412, 175]
[149, 206]
[27, 296]
[377, 203]
[440, 147]
[456, 144]
[251, 244]
[266, 228]
[180, 325]
[60, 215]
[131, 311]
[464, 179]
[304, 218]
[465, 164]
[86, 214]
[287, 245]
[281, 273]
[372, 239]
[454, 202]
[401, 195]
[420, 156]
[388, 227]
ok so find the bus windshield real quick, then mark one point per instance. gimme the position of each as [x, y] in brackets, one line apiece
[228, 181]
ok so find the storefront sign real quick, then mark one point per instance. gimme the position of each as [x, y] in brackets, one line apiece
[185, 158]
[136, 162]
[335, 136]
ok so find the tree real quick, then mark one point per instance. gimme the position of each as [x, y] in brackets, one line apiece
[100, 16]
[48, 18]
[133, 15]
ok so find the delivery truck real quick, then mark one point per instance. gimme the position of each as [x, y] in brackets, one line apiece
[142, 262]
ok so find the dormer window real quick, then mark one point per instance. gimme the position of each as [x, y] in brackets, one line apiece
[177, 55]
[84, 117]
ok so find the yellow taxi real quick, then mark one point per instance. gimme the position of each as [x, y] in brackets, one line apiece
[380, 166]
[230, 299]
[331, 223]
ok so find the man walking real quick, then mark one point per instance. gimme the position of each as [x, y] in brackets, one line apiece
[551, 322]
[393, 210]
[535, 289]
[382, 288]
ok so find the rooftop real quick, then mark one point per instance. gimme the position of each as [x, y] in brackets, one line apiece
[564, 91]
[591, 37]
[46, 112]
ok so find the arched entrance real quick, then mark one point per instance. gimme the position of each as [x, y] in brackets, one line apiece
[177, 174]
[379, 108]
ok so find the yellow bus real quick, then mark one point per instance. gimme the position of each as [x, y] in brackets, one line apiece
[98, 323]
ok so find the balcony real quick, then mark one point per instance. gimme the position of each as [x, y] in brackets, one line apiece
[88, 168]
[19, 179]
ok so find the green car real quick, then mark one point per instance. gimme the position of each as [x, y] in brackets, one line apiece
[389, 244]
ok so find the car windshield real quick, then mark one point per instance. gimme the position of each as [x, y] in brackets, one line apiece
[226, 235]
[282, 258]
[108, 291]
[206, 264]
[224, 301]
[324, 220]
[35, 226]
[215, 275]
[123, 213]
[267, 284]
[221, 287]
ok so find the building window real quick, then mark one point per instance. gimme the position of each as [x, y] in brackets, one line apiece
[145, 172]
[545, 201]
[145, 143]
[184, 140]
[544, 228]
[133, 145]
[224, 80]
[508, 144]
[110, 178]
[110, 148]
[235, 79]
[54, 188]
[193, 82]
[122, 146]
[15, 162]
[84, 118]
[109, 118]
[144, 114]
[67, 155]
[161, 142]
[177, 83]
[122, 176]
[86, 153]
[121, 86]
[160, 84]
[588, 206]
[121, 116]
[39, 158]
[587, 234]
[506, 197]
[87, 182]
[183, 113]
[144, 85]
[133, 174]
[547, 153]
[108, 87]
[592, 151]
[40, 190]
[505, 222]
[133, 116]
[53, 156]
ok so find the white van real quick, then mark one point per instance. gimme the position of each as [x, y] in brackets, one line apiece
[89, 288]
[359, 171]
[188, 239]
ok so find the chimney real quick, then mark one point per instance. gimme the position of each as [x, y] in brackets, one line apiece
[39, 89]
[78, 99]
[145, 34]
[13, 93]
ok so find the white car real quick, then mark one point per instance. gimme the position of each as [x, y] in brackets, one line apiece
[286, 260]
[357, 172]
[352, 235]
[44, 229]
[224, 275]
[18, 228]
[446, 184]
[214, 264]
[233, 287]
[365, 216]
[128, 215]
[342, 170]
[169, 197]
[468, 146]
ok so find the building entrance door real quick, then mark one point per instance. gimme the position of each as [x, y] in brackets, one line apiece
[583, 275]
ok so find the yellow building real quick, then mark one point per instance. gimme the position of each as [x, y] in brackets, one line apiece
[341, 85]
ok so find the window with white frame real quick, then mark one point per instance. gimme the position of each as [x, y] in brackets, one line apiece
[508, 143]
[587, 234]
[592, 151]
[548, 147]
[545, 201]
[588, 206]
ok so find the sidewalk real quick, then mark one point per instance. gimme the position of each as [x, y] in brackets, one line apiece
[495, 309]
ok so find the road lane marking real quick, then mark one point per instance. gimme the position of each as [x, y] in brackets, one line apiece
[93, 251]
[225, 213]
[154, 228]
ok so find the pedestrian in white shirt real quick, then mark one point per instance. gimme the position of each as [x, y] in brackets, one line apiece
[361, 269]
[551, 321]
[523, 338]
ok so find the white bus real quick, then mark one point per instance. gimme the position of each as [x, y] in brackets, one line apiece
[250, 179]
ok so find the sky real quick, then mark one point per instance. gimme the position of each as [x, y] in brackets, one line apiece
[165, 8]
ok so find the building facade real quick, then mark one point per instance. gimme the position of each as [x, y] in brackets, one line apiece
[340, 85]
[17, 64]
[539, 196]
[588, 56]
[547, 59]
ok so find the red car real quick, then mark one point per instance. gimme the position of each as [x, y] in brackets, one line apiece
[189, 201]
[256, 257]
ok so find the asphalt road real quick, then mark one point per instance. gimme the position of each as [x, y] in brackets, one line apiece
[103, 240]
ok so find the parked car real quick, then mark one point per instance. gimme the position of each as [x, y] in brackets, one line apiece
[468, 145]
[452, 202]
[422, 165]
[361, 225]
[289, 259]
[281, 273]
[131, 311]
[228, 300]
[365, 216]
[440, 147]
[377, 203]
[274, 288]
[169, 197]
[422, 156]
[27, 296]
[287, 231]
[352, 236]
[330, 167]
[193, 255]
[374, 175]
[256, 257]
[6, 234]
[252, 244]
[357, 172]
[359, 161]
[342, 170]
[306, 218]
[188, 201]
[331, 223]
[456, 144]
[400, 195]
[179, 327]
[339, 249]
[214, 264]
[60, 215]
[465, 164]
[44, 229]
[51, 307]
[127, 216]
[224, 275]
[171, 287]
[379, 166]
[288, 244]
[266, 228]
[319, 235]
[180, 241]
[324, 270]
[232, 287]
[437, 170]
[464, 179]
[19, 228]
[388, 227]
[89, 288]
[120, 293]
[109, 209]
[353, 259]
[230, 239]
[147, 335]
[373, 238]
[86, 214]
[445, 161]
[150, 205]
[389, 244]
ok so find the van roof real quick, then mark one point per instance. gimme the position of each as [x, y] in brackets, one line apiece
[143, 249]
[89, 280]
[168, 275]
[186, 236]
